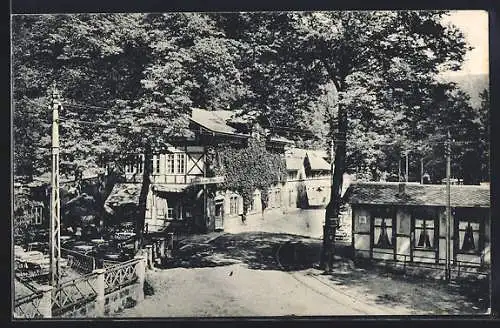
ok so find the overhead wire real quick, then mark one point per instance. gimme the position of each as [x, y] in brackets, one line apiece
[105, 110]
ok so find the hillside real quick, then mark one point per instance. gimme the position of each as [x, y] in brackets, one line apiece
[473, 84]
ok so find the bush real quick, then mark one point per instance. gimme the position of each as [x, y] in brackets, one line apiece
[148, 289]
[129, 303]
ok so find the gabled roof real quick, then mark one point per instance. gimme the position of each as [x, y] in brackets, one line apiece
[293, 163]
[387, 193]
[279, 139]
[301, 152]
[215, 121]
[317, 163]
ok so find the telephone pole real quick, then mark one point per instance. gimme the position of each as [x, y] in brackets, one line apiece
[448, 207]
[422, 170]
[55, 203]
[406, 178]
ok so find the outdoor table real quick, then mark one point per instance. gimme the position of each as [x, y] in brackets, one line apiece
[84, 248]
[31, 255]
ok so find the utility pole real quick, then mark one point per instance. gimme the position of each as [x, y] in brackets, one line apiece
[422, 170]
[448, 207]
[55, 203]
[406, 176]
[399, 169]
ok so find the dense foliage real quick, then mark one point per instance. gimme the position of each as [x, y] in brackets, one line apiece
[248, 169]
[369, 80]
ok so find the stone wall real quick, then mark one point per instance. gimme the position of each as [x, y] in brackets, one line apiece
[118, 300]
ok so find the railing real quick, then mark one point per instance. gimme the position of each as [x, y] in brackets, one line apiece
[120, 275]
[28, 306]
[73, 294]
[76, 294]
[107, 263]
[78, 261]
[457, 265]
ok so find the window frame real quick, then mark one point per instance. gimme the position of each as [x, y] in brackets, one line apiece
[383, 212]
[156, 164]
[169, 215]
[479, 243]
[180, 158]
[140, 164]
[170, 164]
[425, 214]
[233, 205]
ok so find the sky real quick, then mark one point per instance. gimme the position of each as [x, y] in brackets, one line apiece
[474, 25]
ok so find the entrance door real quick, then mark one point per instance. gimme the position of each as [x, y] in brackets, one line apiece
[219, 214]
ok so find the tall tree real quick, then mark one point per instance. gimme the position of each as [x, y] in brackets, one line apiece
[128, 81]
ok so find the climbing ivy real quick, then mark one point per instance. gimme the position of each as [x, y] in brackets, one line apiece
[247, 169]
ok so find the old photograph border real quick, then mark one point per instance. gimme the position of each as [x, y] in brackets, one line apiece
[31, 7]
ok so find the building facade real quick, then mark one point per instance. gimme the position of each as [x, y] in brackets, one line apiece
[408, 223]
[181, 192]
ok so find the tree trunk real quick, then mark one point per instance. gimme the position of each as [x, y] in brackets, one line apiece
[333, 207]
[141, 211]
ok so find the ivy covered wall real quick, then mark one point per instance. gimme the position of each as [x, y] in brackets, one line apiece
[247, 169]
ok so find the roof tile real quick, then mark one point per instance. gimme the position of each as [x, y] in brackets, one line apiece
[387, 193]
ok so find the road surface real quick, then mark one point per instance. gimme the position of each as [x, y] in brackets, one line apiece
[243, 272]
[302, 222]
[235, 290]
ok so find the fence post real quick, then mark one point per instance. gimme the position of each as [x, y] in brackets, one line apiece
[100, 289]
[162, 248]
[170, 246]
[149, 252]
[45, 305]
[140, 268]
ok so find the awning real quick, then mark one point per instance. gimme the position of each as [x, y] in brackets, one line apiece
[169, 187]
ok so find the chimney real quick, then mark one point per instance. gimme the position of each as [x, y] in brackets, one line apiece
[402, 187]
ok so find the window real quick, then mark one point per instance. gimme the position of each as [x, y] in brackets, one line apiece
[424, 233]
[156, 164]
[140, 166]
[277, 198]
[270, 199]
[468, 236]
[170, 164]
[218, 208]
[170, 213]
[181, 163]
[160, 213]
[251, 206]
[382, 229]
[233, 205]
[37, 214]
[176, 163]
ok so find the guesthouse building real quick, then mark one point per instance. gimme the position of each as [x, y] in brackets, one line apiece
[407, 222]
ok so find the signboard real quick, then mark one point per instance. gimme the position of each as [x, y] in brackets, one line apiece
[205, 181]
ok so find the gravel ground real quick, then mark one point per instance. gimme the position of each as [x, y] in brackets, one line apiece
[239, 275]
[235, 290]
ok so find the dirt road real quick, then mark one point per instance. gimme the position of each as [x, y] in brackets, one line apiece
[235, 290]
